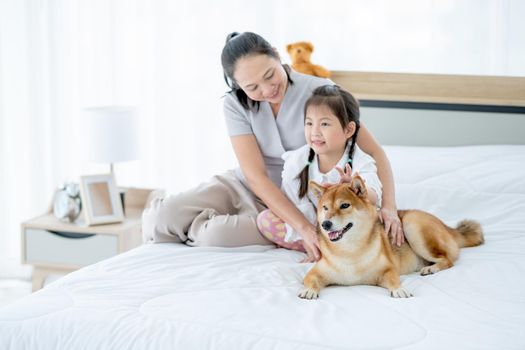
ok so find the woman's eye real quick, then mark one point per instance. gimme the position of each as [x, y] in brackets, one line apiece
[345, 206]
[270, 77]
[324, 124]
[308, 123]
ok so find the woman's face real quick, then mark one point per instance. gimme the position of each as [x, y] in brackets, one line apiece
[261, 77]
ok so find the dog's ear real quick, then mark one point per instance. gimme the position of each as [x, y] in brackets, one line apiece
[289, 47]
[316, 189]
[358, 186]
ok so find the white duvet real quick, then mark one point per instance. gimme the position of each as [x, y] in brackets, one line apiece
[169, 296]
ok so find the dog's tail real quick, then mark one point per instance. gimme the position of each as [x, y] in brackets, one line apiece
[468, 233]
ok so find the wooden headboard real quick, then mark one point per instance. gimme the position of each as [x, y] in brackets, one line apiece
[439, 110]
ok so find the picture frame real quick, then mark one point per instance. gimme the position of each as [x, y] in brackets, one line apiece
[100, 199]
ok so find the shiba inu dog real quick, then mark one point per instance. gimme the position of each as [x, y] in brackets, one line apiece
[355, 249]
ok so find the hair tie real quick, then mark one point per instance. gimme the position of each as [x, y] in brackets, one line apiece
[350, 160]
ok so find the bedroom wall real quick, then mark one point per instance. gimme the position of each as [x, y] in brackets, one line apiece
[444, 37]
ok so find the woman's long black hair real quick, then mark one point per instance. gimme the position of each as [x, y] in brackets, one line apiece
[242, 45]
[345, 107]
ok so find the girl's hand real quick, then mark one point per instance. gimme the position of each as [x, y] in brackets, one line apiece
[346, 175]
[393, 225]
[311, 244]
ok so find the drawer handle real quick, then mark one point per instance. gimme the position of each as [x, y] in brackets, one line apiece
[73, 235]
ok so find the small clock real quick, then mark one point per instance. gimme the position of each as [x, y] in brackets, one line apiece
[67, 203]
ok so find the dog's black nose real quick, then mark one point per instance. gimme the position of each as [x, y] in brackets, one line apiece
[327, 225]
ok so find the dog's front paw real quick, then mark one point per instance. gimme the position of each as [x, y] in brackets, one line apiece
[400, 293]
[308, 293]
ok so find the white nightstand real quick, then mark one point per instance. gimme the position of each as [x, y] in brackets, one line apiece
[54, 247]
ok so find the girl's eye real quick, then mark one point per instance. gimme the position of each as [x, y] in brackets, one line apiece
[324, 124]
[345, 206]
[253, 88]
[308, 123]
[270, 77]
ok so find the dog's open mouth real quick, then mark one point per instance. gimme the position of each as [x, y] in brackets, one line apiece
[336, 235]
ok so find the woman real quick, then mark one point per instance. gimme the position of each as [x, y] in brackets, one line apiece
[264, 117]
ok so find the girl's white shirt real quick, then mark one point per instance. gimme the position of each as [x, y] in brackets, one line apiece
[294, 163]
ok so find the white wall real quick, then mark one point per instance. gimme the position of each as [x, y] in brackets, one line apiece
[480, 37]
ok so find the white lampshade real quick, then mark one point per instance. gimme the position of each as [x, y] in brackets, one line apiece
[111, 134]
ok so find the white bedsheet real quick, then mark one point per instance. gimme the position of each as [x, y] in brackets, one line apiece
[172, 296]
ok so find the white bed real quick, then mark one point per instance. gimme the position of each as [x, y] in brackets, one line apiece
[169, 296]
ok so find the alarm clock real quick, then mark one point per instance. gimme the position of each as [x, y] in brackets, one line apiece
[67, 203]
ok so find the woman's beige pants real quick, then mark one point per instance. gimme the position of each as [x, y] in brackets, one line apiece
[221, 212]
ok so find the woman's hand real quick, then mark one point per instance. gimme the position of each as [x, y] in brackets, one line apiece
[392, 224]
[346, 175]
[310, 244]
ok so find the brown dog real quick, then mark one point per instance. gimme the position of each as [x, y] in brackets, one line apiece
[355, 249]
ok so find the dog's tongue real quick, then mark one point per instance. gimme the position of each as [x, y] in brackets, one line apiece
[333, 234]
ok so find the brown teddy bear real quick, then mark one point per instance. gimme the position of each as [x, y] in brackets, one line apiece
[300, 53]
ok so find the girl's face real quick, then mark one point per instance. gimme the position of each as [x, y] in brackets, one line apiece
[324, 133]
[261, 77]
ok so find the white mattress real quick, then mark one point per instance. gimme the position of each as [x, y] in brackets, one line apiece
[172, 296]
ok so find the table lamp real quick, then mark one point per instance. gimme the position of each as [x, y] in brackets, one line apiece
[111, 135]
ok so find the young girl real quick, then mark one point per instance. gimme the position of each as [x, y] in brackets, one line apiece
[331, 125]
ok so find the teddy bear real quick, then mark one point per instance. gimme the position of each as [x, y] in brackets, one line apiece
[300, 53]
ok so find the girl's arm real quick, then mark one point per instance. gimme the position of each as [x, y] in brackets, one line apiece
[252, 164]
[367, 142]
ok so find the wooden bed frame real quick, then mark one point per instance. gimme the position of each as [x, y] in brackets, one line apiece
[439, 110]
